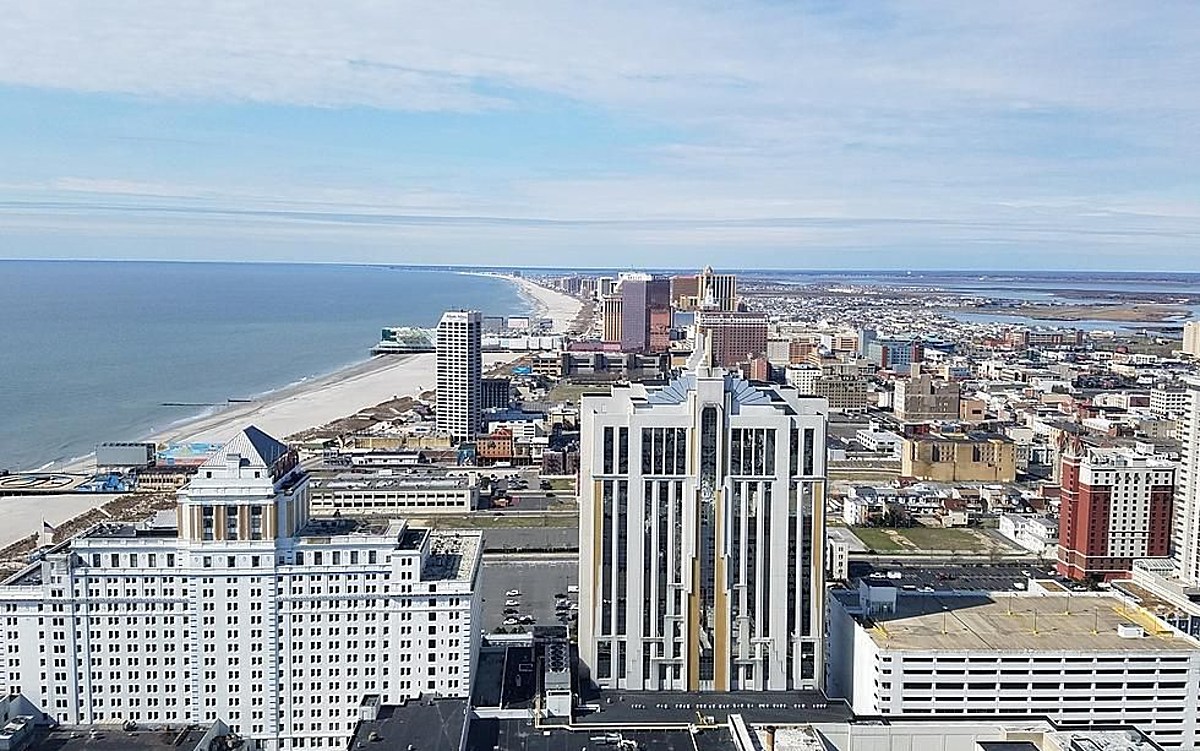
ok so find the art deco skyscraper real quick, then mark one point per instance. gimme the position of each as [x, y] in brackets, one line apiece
[702, 535]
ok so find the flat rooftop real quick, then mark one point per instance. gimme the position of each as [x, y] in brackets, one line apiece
[453, 556]
[1013, 623]
[115, 738]
[350, 483]
[429, 724]
[520, 735]
[684, 707]
[335, 526]
[982, 577]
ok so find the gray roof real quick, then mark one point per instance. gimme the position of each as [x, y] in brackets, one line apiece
[427, 724]
[676, 391]
[255, 446]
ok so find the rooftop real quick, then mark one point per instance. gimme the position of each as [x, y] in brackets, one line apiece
[115, 738]
[974, 436]
[453, 556]
[999, 577]
[256, 448]
[1009, 623]
[520, 735]
[429, 724]
[684, 707]
[419, 481]
[337, 526]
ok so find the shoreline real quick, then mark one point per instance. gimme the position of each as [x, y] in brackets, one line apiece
[1129, 314]
[311, 403]
[559, 307]
[288, 410]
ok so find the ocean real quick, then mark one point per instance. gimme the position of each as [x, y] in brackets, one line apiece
[90, 350]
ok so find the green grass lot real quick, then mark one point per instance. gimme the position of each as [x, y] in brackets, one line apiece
[920, 539]
[570, 392]
[499, 519]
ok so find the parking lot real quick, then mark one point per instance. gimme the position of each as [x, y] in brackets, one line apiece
[537, 582]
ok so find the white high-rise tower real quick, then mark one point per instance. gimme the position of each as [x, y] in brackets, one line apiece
[459, 373]
[702, 535]
[1185, 534]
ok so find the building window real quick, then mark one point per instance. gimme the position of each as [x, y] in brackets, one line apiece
[231, 522]
[208, 522]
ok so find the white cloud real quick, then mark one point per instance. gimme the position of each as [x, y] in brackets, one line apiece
[1064, 123]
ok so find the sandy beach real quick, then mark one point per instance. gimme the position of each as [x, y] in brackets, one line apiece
[290, 410]
[559, 307]
[347, 391]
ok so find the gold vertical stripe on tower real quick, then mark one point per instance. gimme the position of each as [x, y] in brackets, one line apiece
[721, 656]
[218, 522]
[693, 629]
[597, 551]
[818, 578]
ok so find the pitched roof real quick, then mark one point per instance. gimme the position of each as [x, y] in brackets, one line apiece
[256, 448]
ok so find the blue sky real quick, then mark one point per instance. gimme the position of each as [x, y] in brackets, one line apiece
[785, 134]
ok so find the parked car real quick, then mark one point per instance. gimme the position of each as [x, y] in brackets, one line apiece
[513, 593]
[512, 603]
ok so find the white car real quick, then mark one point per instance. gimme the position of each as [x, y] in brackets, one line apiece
[513, 593]
[510, 621]
[511, 603]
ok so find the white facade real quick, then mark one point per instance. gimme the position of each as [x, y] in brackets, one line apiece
[1191, 338]
[880, 440]
[1079, 659]
[1185, 533]
[394, 496]
[702, 535]
[1037, 534]
[459, 373]
[838, 566]
[240, 607]
[857, 512]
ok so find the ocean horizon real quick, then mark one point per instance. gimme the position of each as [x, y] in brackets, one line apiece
[90, 351]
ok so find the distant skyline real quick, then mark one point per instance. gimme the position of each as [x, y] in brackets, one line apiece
[810, 135]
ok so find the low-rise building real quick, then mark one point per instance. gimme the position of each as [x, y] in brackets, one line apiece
[1089, 659]
[1037, 534]
[883, 441]
[164, 479]
[959, 457]
[394, 493]
[922, 398]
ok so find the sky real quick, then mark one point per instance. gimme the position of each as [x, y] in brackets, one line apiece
[780, 134]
